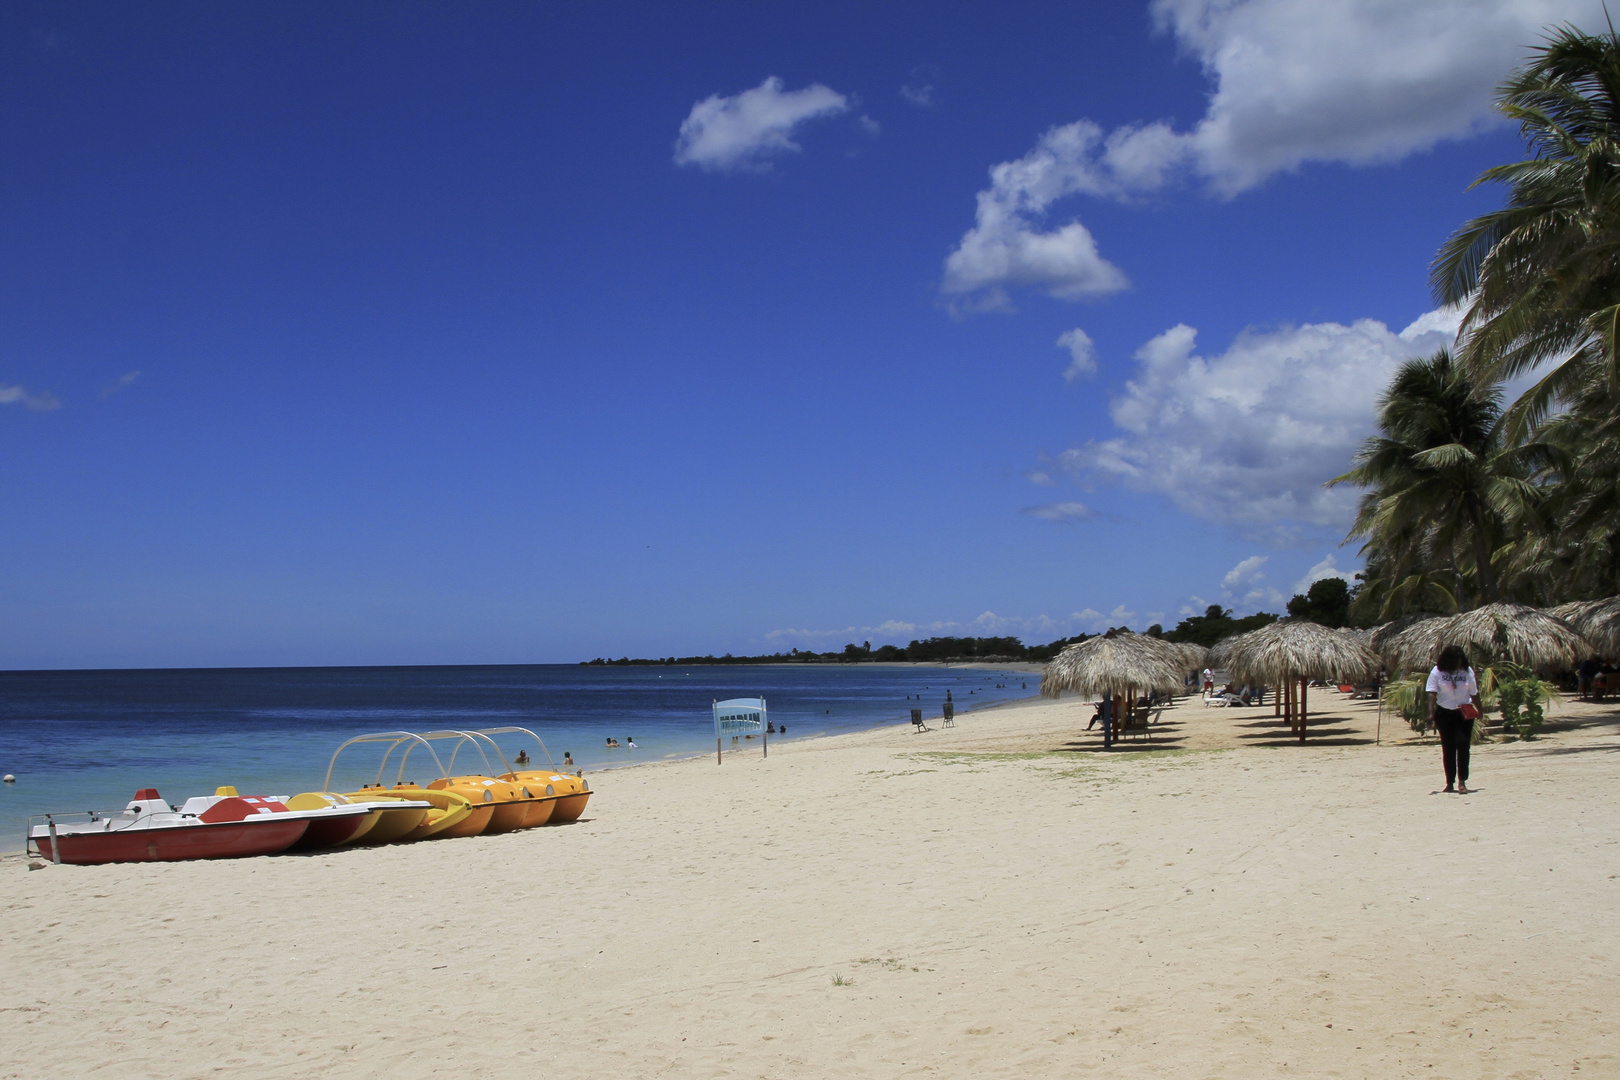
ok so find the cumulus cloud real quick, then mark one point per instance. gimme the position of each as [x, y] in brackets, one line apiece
[1246, 572]
[1244, 586]
[1082, 355]
[1327, 568]
[746, 130]
[44, 401]
[1359, 82]
[1006, 247]
[1246, 438]
[1291, 82]
[1061, 511]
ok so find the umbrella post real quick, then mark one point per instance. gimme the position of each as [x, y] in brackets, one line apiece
[1108, 719]
[1304, 693]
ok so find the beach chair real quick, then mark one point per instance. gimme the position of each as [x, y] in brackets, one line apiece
[917, 725]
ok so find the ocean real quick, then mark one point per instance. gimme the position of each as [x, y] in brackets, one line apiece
[86, 740]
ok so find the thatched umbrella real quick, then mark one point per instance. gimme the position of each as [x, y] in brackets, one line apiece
[1113, 665]
[1193, 655]
[1514, 632]
[1598, 621]
[1382, 636]
[1295, 651]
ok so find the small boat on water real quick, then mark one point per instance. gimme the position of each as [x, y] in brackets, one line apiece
[219, 826]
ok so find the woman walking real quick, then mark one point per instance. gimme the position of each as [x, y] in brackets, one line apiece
[1453, 708]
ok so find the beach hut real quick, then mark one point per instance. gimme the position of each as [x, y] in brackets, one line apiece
[1598, 621]
[1513, 632]
[1288, 654]
[1116, 666]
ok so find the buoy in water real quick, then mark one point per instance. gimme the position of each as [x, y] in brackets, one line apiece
[8, 778]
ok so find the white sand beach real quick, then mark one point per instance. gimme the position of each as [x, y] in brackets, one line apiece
[993, 900]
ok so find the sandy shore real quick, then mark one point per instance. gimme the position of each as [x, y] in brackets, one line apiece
[997, 899]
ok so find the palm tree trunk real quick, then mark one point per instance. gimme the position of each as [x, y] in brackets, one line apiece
[1484, 571]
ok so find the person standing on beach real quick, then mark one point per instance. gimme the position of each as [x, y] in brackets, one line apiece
[1452, 686]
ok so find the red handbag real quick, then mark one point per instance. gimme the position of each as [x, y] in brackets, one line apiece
[1469, 711]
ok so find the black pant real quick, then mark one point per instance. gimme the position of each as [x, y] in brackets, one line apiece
[1456, 736]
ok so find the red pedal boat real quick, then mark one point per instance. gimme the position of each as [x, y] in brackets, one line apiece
[219, 826]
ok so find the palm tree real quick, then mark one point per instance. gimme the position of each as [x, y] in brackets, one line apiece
[1541, 276]
[1441, 489]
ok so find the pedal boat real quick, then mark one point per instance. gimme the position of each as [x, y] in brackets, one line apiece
[571, 792]
[449, 814]
[383, 820]
[446, 813]
[518, 804]
[150, 830]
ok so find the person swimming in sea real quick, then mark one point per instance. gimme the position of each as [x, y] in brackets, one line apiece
[522, 758]
[568, 760]
[612, 741]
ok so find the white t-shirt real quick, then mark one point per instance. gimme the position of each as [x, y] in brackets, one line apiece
[1452, 689]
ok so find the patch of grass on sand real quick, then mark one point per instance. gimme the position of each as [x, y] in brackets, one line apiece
[969, 757]
[1165, 756]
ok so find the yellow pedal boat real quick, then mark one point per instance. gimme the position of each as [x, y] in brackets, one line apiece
[571, 793]
[389, 819]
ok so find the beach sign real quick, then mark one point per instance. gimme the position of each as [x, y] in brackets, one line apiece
[738, 718]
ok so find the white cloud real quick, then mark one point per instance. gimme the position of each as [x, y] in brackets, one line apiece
[746, 130]
[1005, 247]
[1062, 511]
[1357, 82]
[1246, 572]
[1292, 81]
[1082, 355]
[1041, 477]
[870, 126]
[44, 401]
[1246, 438]
[1327, 568]
[1244, 586]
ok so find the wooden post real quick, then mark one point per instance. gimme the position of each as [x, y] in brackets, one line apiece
[1276, 700]
[1304, 694]
[1108, 719]
[717, 758]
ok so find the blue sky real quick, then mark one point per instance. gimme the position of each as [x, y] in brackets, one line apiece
[391, 333]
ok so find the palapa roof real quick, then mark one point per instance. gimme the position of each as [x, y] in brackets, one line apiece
[1515, 632]
[1296, 649]
[1383, 635]
[1598, 621]
[1193, 655]
[1114, 664]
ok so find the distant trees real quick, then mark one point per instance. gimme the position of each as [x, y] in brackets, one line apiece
[1216, 623]
[1326, 602]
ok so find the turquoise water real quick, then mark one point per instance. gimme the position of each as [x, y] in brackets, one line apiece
[80, 740]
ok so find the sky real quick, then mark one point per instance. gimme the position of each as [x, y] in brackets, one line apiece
[406, 333]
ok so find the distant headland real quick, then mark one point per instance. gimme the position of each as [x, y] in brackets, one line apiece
[1206, 629]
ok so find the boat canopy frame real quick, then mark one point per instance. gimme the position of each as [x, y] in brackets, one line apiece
[395, 739]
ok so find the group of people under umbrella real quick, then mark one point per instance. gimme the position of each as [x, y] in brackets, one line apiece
[1289, 654]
